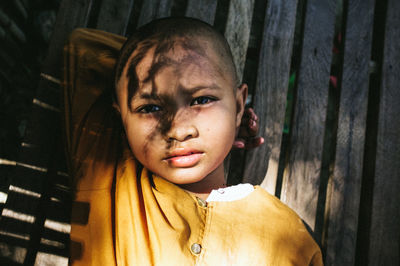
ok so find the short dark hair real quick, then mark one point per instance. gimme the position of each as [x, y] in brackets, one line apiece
[162, 34]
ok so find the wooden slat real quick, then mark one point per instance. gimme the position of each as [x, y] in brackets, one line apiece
[71, 14]
[57, 210]
[153, 9]
[9, 242]
[384, 248]
[28, 179]
[238, 29]
[40, 133]
[301, 179]
[17, 226]
[114, 16]
[270, 92]
[202, 9]
[346, 180]
[50, 93]
[18, 202]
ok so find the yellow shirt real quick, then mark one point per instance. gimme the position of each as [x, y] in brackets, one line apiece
[124, 215]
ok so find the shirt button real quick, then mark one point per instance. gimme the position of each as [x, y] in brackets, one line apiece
[201, 202]
[196, 248]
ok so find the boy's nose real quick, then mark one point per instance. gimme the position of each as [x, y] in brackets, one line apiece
[182, 132]
[182, 128]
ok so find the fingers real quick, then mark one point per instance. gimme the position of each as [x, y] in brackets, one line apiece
[249, 114]
[248, 143]
[254, 142]
[239, 144]
[247, 136]
[249, 126]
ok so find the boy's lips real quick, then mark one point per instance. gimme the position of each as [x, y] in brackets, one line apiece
[184, 157]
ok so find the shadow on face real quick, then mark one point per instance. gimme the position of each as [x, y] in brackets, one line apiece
[179, 56]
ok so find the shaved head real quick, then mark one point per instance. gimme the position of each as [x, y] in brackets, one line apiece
[163, 35]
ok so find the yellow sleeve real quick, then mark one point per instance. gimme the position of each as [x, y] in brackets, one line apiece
[91, 124]
[93, 135]
[317, 259]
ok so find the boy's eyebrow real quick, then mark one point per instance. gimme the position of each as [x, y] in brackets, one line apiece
[212, 86]
[155, 96]
[148, 96]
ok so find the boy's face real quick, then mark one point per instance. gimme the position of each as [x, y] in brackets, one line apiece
[183, 117]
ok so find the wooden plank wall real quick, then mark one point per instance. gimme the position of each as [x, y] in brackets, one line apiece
[269, 96]
[346, 179]
[384, 242]
[301, 180]
[35, 220]
[339, 165]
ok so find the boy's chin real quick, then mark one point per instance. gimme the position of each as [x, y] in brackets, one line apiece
[201, 173]
[182, 179]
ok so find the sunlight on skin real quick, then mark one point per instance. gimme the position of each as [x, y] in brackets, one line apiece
[181, 122]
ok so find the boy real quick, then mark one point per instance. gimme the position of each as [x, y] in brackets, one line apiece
[161, 198]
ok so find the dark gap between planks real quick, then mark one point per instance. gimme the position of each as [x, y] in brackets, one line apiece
[94, 13]
[238, 157]
[38, 226]
[367, 183]
[134, 17]
[178, 8]
[331, 126]
[292, 93]
[221, 16]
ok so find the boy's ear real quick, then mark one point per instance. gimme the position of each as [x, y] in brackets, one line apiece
[241, 96]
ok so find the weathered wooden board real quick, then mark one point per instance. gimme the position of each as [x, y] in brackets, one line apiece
[384, 244]
[202, 9]
[36, 162]
[72, 14]
[270, 92]
[49, 94]
[301, 179]
[237, 31]
[17, 223]
[114, 16]
[153, 9]
[346, 180]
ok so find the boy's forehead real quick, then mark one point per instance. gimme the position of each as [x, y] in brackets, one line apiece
[180, 55]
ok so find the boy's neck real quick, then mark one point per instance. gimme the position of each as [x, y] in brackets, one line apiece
[203, 188]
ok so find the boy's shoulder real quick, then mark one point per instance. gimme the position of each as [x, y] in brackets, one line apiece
[270, 212]
[274, 205]
[273, 227]
[265, 212]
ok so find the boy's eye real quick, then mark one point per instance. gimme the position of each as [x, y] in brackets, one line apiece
[202, 100]
[149, 108]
